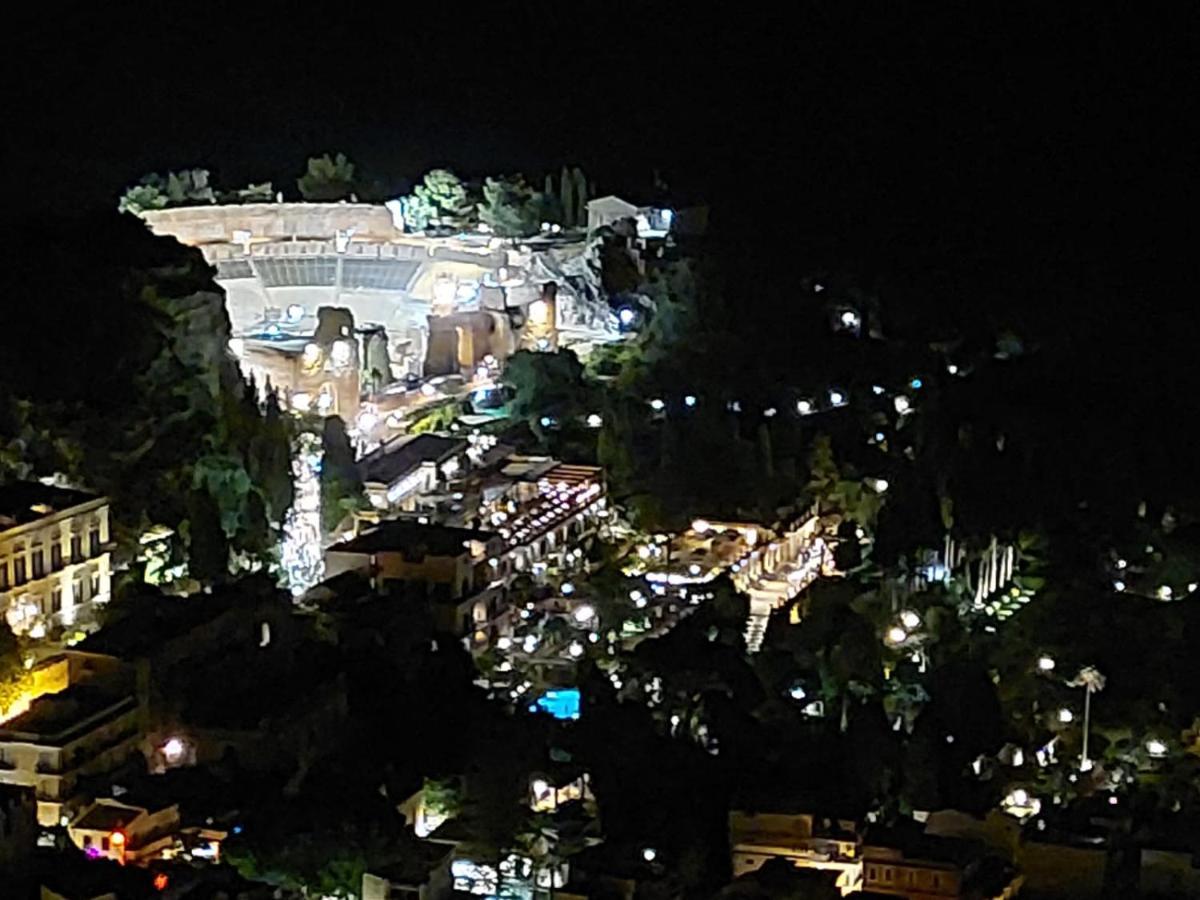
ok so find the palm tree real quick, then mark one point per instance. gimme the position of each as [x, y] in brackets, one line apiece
[1091, 680]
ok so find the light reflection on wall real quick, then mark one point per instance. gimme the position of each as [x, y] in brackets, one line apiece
[300, 550]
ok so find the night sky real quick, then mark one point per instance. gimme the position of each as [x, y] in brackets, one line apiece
[1046, 148]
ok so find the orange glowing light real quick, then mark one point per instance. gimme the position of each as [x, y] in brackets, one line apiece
[161, 881]
[117, 839]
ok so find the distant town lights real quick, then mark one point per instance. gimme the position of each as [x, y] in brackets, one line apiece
[804, 407]
[649, 854]
[897, 635]
[797, 692]
[1156, 748]
[657, 405]
[850, 319]
[836, 397]
[626, 315]
[594, 420]
[910, 619]
[901, 403]
[689, 400]
[1045, 664]
[575, 649]
[701, 526]
[585, 613]
[1065, 716]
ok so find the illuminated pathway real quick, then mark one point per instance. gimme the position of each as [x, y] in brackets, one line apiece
[773, 574]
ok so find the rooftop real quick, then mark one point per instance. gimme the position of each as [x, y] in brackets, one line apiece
[59, 718]
[398, 457]
[107, 816]
[22, 502]
[407, 536]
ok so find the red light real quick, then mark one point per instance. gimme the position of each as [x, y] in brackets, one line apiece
[161, 881]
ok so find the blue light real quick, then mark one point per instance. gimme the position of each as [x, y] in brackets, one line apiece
[916, 384]
[562, 703]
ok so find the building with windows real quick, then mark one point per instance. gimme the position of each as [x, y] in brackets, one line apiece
[396, 474]
[434, 559]
[55, 564]
[123, 832]
[89, 728]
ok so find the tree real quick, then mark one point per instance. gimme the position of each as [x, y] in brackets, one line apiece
[153, 407]
[140, 198]
[441, 201]
[257, 193]
[546, 385]
[510, 207]
[341, 484]
[15, 679]
[327, 179]
[184, 188]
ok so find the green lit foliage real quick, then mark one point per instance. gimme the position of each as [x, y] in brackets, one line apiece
[15, 679]
[140, 198]
[436, 417]
[837, 493]
[439, 201]
[327, 179]
[185, 188]
[151, 410]
[546, 384]
[256, 193]
[510, 207]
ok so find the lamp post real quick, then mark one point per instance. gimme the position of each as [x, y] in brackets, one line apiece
[1091, 680]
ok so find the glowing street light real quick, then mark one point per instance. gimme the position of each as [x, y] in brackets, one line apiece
[910, 619]
[897, 635]
[1156, 748]
[1045, 664]
[804, 407]
[1065, 716]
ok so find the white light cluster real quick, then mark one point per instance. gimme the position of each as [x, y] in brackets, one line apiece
[300, 550]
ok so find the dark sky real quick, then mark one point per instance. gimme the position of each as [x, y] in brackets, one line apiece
[897, 138]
